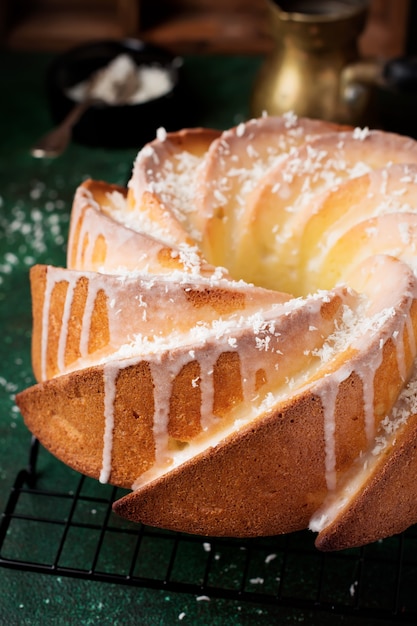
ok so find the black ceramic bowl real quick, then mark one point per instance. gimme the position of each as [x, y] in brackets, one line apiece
[129, 125]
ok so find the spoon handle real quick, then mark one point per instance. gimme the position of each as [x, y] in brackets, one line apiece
[55, 141]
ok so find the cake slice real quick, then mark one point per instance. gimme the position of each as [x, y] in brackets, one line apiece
[82, 318]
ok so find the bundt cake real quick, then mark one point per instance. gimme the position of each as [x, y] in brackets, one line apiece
[234, 335]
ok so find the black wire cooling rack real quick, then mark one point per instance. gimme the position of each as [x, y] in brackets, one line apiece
[86, 540]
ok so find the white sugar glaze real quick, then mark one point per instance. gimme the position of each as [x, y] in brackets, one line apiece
[110, 375]
[129, 250]
[63, 335]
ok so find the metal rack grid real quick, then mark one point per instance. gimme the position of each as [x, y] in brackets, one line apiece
[86, 540]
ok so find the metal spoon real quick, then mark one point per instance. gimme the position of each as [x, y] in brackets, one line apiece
[56, 141]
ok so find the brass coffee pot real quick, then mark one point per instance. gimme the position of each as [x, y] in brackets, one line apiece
[315, 69]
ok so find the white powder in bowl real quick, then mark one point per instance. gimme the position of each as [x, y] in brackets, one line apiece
[147, 82]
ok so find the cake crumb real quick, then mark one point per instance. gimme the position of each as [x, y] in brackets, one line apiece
[361, 133]
[161, 134]
[352, 588]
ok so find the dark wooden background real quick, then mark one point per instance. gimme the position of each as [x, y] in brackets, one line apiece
[184, 26]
